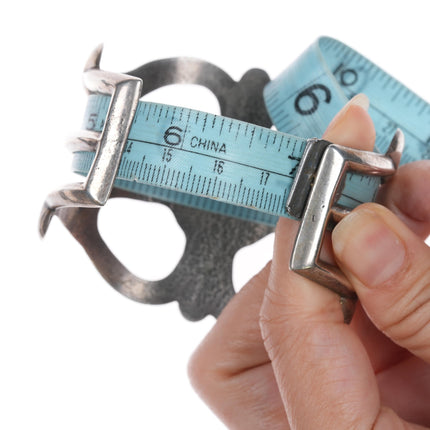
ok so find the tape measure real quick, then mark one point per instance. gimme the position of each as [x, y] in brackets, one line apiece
[243, 170]
[305, 97]
[192, 160]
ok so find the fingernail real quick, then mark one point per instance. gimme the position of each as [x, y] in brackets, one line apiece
[360, 100]
[368, 248]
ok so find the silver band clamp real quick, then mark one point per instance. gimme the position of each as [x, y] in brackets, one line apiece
[313, 198]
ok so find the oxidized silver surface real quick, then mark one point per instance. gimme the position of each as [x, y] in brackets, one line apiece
[202, 281]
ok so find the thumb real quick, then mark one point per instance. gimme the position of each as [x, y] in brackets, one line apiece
[389, 268]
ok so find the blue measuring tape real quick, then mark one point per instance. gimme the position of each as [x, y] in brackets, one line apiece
[243, 170]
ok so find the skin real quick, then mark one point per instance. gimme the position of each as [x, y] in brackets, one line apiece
[280, 355]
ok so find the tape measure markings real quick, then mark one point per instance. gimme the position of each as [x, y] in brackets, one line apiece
[242, 150]
[239, 163]
[351, 73]
[188, 156]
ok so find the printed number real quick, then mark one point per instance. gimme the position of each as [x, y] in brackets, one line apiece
[310, 93]
[347, 77]
[264, 177]
[294, 169]
[218, 167]
[128, 147]
[91, 123]
[172, 136]
[167, 155]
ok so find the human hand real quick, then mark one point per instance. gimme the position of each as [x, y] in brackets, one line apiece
[280, 355]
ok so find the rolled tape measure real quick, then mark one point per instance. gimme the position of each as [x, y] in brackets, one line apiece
[304, 98]
[236, 168]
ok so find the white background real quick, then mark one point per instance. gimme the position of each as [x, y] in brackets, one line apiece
[74, 353]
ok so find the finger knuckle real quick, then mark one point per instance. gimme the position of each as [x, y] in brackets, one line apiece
[408, 322]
